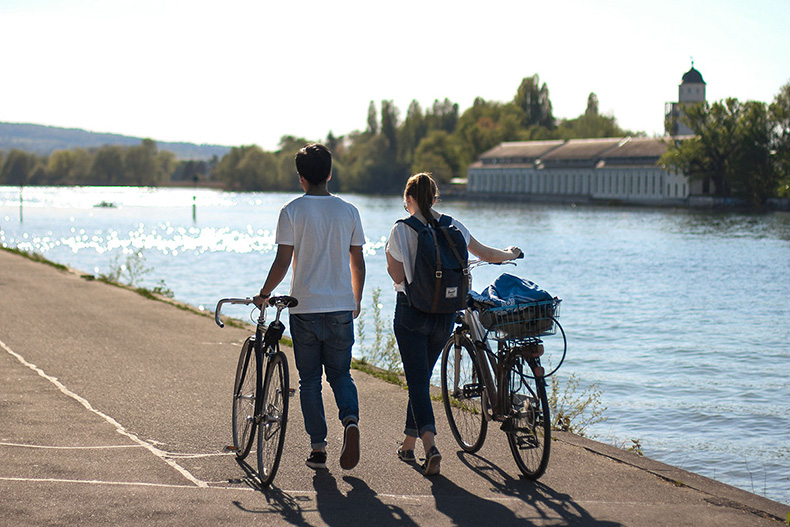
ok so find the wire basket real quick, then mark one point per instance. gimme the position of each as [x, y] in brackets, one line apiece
[531, 319]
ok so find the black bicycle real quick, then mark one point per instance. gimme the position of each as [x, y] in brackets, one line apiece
[505, 383]
[261, 389]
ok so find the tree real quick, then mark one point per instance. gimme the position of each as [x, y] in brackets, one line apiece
[17, 168]
[780, 116]
[410, 133]
[108, 166]
[441, 154]
[486, 124]
[69, 167]
[731, 148]
[442, 116]
[534, 100]
[373, 124]
[590, 124]
[140, 164]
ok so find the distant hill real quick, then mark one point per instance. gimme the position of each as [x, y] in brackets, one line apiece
[43, 140]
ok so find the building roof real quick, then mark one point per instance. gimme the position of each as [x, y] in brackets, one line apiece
[521, 149]
[692, 76]
[582, 149]
[637, 147]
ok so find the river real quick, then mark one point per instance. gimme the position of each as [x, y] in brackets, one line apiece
[681, 318]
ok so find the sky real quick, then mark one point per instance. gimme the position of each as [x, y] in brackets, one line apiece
[245, 72]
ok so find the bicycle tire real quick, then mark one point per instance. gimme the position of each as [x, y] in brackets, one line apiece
[245, 388]
[273, 417]
[463, 394]
[529, 429]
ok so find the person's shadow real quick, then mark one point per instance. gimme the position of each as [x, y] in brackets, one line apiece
[466, 508]
[360, 506]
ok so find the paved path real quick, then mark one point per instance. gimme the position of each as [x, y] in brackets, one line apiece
[114, 410]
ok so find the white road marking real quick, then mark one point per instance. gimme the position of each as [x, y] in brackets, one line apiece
[161, 454]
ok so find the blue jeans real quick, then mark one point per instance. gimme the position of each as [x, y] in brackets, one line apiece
[323, 341]
[421, 337]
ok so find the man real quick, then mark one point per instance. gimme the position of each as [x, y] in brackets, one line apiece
[322, 234]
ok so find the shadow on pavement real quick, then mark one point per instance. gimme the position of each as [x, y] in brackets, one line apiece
[466, 508]
[361, 506]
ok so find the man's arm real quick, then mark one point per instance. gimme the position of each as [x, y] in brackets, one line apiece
[357, 275]
[282, 261]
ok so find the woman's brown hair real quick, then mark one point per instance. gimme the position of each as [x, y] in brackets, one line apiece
[422, 188]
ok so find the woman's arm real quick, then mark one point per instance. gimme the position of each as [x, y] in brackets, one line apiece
[491, 254]
[395, 269]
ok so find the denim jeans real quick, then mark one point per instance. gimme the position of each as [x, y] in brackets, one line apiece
[421, 337]
[323, 341]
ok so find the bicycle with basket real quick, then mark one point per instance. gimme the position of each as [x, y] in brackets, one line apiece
[491, 371]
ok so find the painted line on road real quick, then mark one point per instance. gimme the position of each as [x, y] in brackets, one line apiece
[161, 454]
[54, 447]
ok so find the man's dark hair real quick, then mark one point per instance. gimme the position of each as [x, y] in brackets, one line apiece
[314, 163]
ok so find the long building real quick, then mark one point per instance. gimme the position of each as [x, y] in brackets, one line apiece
[621, 169]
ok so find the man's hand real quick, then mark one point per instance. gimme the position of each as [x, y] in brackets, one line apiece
[259, 300]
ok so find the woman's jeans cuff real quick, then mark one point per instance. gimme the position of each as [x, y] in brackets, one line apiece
[412, 432]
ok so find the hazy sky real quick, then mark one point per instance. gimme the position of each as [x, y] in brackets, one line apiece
[249, 72]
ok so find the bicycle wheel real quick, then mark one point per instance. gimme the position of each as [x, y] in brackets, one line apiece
[463, 393]
[244, 390]
[528, 424]
[273, 417]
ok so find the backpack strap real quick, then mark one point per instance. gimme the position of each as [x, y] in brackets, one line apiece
[418, 226]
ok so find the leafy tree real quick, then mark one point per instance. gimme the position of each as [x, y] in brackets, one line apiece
[731, 148]
[441, 154]
[410, 133]
[442, 116]
[17, 168]
[69, 167]
[589, 125]
[486, 124]
[108, 166]
[373, 123]
[780, 115]
[389, 129]
[140, 164]
[533, 99]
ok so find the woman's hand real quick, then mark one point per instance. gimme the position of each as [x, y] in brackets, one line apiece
[515, 251]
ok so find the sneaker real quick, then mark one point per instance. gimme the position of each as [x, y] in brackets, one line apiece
[349, 456]
[406, 455]
[316, 460]
[432, 461]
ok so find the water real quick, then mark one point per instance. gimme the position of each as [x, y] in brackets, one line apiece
[682, 317]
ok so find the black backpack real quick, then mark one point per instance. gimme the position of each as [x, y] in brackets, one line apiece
[441, 267]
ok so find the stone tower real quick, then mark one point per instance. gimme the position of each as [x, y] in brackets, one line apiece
[691, 90]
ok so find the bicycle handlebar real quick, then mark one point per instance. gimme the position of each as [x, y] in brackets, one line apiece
[244, 301]
[281, 302]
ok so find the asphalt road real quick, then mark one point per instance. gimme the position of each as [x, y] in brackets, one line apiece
[115, 410]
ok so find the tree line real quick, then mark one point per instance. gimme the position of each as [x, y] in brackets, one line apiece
[739, 149]
[437, 139]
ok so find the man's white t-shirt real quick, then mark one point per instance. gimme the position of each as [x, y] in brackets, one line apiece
[321, 230]
[402, 245]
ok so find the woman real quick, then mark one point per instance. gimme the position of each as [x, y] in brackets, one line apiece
[421, 335]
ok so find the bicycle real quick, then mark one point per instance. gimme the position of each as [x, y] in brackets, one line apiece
[260, 399]
[507, 385]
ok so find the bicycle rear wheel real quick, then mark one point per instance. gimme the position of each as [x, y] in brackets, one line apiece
[528, 424]
[244, 391]
[463, 393]
[273, 417]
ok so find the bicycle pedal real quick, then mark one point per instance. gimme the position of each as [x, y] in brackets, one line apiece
[230, 448]
[291, 392]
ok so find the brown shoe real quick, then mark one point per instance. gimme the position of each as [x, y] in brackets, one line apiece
[349, 456]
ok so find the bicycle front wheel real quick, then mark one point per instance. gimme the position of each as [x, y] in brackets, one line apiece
[528, 424]
[244, 391]
[463, 393]
[273, 417]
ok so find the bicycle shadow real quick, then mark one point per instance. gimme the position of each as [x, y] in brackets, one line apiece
[280, 503]
[359, 507]
[466, 508]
